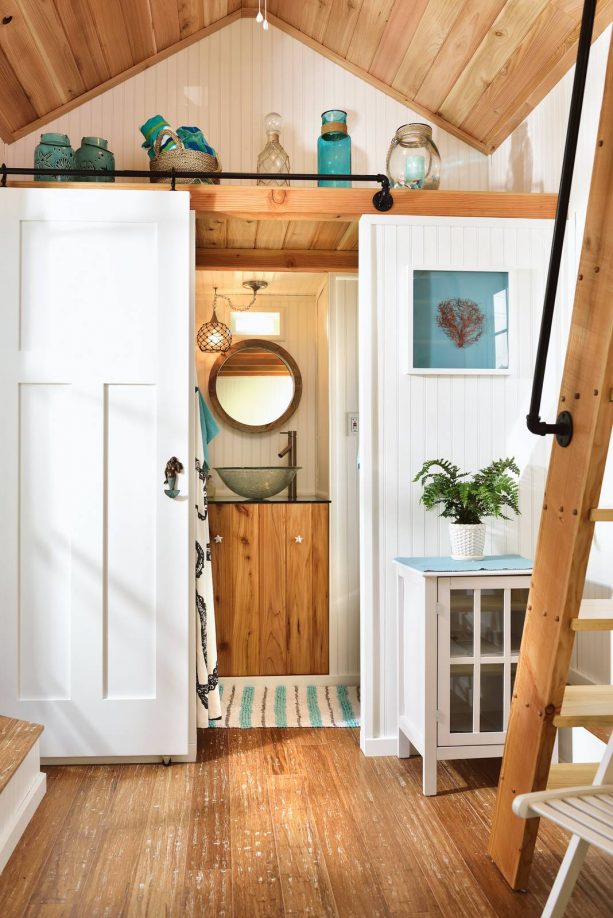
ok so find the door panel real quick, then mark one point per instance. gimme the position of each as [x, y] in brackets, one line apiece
[236, 586]
[299, 556]
[321, 588]
[95, 382]
[273, 591]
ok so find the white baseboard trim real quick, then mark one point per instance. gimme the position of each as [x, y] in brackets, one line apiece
[18, 803]
[289, 681]
[379, 745]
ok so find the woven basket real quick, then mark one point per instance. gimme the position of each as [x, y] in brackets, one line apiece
[467, 541]
[181, 159]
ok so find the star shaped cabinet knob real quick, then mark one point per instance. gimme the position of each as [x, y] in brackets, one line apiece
[298, 539]
[218, 539]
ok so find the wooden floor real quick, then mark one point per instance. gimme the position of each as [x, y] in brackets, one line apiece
[276, 822]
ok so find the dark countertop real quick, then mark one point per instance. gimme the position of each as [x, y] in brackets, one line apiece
[277, 499]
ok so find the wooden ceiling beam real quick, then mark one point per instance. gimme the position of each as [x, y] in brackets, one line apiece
[308, 260]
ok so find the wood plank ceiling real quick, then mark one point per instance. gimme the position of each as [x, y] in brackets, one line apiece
[294, 245]
[475, 67]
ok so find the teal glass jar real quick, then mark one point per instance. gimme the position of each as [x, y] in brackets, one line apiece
[334, 148]
[94, 154]
[54, 152]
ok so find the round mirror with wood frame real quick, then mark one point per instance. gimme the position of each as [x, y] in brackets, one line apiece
[255, 386]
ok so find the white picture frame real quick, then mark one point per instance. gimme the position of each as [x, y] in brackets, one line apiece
[406, 322]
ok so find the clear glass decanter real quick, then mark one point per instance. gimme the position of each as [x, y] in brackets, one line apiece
[273, 161]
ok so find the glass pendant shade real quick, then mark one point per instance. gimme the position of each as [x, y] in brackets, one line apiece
[214, 337]
[273, 161]
[413, 160]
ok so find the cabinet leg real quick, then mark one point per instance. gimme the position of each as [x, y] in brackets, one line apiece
[405, 747]
[429, 775]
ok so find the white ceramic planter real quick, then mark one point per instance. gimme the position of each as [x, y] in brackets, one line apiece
[467, 541]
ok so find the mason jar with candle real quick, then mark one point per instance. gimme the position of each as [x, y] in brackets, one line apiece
[413, 160]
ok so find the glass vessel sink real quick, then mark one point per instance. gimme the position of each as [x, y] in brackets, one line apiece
[257, 482]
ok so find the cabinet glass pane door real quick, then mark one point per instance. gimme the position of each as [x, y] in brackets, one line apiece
[491, 708]
[492, 622]
[461, 687]
[462, 623]
[480, 624]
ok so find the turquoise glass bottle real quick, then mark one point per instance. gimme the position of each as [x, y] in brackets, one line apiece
[334, 148]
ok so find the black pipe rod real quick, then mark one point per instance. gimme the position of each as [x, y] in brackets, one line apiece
[563, 427]
[180, 173]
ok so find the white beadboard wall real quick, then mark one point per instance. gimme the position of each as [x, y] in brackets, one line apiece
[323, 389]
[531, 160]
[227, 83]
[344, 509]
[470, 420]
[233, 447]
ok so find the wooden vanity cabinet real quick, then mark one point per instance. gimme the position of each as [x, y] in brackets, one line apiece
[270, 579]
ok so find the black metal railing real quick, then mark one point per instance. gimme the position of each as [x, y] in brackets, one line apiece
[382, 199]
[563, 427]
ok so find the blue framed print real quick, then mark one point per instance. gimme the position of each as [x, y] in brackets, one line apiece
[459, 322]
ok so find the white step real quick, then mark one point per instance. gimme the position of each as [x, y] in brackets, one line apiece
[22, 784]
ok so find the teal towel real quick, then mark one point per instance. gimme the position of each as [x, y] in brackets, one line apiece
[209, 427]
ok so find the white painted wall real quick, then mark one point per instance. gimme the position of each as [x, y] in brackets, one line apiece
[323, 390]
[227, 83]
[344, 509]
[406, 419]
[531, 160]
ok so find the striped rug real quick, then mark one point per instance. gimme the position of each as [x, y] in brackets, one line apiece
[289, 706]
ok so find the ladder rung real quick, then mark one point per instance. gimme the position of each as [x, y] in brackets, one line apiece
[571, 774]
[594, 615]
[586, 706]
[601, 515]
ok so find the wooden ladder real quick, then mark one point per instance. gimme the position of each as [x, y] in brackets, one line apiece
[541, 699]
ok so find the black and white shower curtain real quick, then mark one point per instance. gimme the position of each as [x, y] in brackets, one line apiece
[207, 678]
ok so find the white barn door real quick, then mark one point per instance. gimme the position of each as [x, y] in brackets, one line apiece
[95, 394]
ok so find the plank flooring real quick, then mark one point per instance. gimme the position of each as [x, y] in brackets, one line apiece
[277, 822]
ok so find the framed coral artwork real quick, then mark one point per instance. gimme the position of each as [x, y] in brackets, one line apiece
[458, 322]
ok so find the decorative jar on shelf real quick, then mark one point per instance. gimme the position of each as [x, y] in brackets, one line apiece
[94, 154]
[273, 161]
[413, 160]
[334, 148]
[54, 152]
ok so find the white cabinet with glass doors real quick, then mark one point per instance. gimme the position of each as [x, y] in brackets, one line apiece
[459, 639]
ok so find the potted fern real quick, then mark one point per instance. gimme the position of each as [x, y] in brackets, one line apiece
[466, 500]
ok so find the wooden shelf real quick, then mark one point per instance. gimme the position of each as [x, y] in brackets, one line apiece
[594, 615]
[586, 706]
[253, 202]
[571, 774]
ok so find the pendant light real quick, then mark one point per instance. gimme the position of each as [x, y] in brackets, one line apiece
[259, 16]
[214, 337]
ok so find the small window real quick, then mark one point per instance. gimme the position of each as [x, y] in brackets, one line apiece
[259, 324]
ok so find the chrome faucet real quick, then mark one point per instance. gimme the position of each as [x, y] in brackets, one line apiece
[292, 461]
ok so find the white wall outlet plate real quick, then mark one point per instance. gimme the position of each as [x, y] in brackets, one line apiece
[353, 423]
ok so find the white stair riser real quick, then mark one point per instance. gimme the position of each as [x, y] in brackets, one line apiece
[18, 802]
